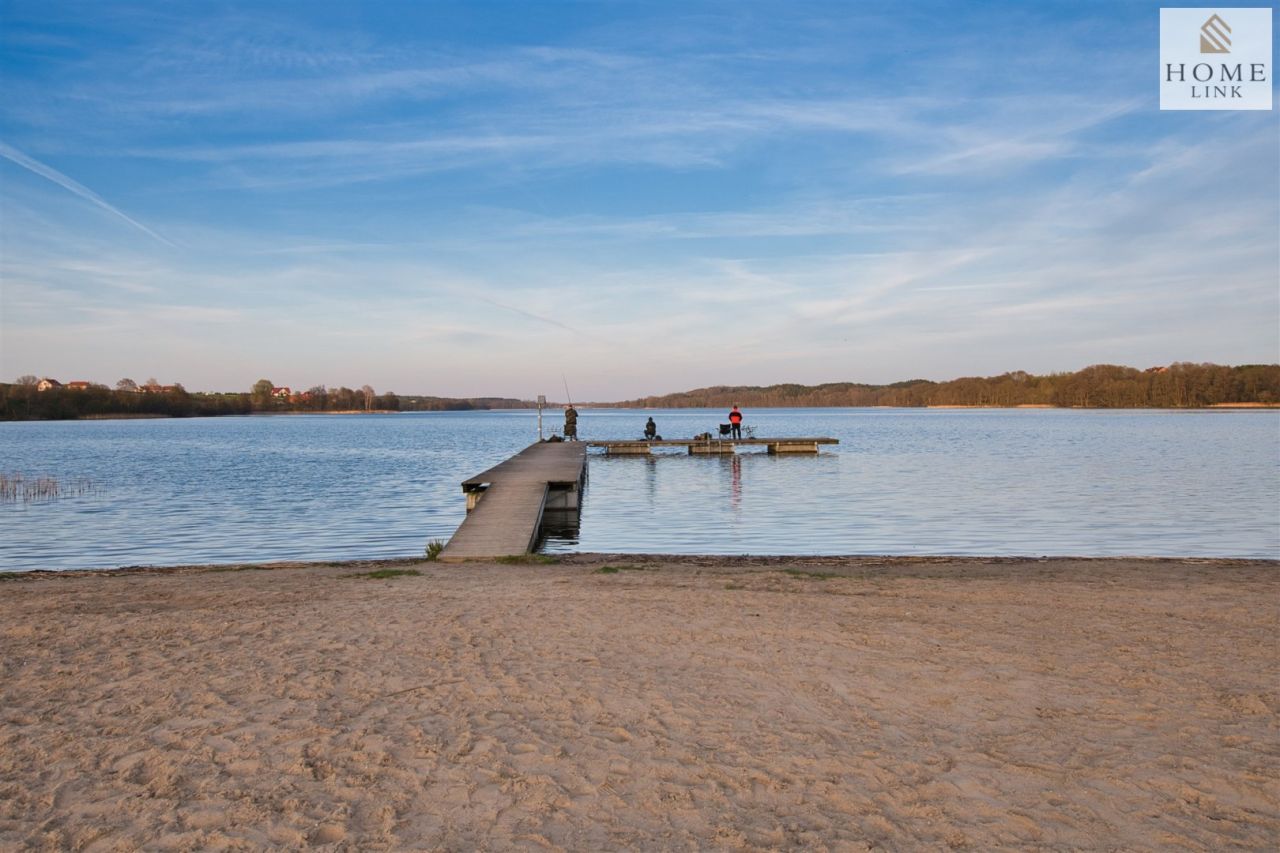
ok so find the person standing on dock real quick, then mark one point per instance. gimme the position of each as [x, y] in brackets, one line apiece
[735, 422]
[570, 423]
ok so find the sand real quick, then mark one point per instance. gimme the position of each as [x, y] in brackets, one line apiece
[679, 703]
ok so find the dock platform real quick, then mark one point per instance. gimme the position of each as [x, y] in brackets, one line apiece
[506, 503]
[714, 445]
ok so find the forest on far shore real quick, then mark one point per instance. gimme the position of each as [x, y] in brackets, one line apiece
[27, 400]
[1104, 386]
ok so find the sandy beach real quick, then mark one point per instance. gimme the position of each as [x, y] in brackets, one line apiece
[675, 703]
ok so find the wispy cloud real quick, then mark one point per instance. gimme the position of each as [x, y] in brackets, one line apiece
[523, 313]
[48, 172]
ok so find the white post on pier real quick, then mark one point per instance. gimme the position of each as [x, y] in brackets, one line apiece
[542, 401]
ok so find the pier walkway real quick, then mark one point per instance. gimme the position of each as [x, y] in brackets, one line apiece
[506, 504]
[714, 445]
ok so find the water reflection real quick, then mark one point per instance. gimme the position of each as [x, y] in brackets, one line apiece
[735, 491]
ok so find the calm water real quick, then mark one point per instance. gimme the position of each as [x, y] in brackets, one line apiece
[986, 482]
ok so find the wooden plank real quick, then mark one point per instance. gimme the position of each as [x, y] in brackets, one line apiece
[546, 461]
[505, 522]
[507, 515]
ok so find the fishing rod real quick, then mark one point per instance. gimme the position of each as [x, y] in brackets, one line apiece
[567, 396]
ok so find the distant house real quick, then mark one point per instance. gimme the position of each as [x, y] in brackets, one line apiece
[283, 392]
[78, 385]
[46, 383]
[157, 389]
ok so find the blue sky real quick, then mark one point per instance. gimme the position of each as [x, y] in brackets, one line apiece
[476, 198]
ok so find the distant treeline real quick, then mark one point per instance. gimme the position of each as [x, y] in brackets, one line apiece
[266, 397]
[454, 404]
[1104, 386]
[24, 401]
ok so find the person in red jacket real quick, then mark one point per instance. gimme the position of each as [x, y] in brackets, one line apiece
[735, 422]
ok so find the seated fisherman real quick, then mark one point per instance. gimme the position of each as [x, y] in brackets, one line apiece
[650, 430]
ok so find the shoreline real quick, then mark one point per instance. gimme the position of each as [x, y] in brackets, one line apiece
[746, 562]
[632, 701]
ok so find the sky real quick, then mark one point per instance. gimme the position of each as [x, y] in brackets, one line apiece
[489, 198]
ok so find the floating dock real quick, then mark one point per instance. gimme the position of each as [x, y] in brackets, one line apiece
[714, 445]
[506, 504]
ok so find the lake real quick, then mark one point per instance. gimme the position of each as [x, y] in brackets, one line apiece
[901, 481]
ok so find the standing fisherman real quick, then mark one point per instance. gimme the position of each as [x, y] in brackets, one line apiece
[735, 421]
[570, 423]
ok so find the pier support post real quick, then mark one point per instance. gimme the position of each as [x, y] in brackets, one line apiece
[711, 447]
[793, 447]
[627, 450]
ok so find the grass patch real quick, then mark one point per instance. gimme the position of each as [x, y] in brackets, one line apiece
[383, 574]
[243, 568]
[820, 576]
[734, 586]
[525, 559]
[613, 570]
[434, 547]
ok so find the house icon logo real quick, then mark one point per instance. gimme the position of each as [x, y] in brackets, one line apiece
[1215, 36]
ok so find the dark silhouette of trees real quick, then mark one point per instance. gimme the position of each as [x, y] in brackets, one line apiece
[22, 402]
[1180, 385]
[1106, 386]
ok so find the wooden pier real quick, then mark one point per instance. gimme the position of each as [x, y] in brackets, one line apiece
[506, 504]
[713, 445]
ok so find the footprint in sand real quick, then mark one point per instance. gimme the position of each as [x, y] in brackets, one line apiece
[330, 833]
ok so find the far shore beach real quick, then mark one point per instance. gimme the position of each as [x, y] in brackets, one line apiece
[629, 702]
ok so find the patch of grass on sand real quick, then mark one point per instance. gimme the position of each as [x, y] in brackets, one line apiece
[434, 547]
[613, 570]
[248, 567]
[821, 576]
[383, 574]
[525, 559]
[734, 586]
